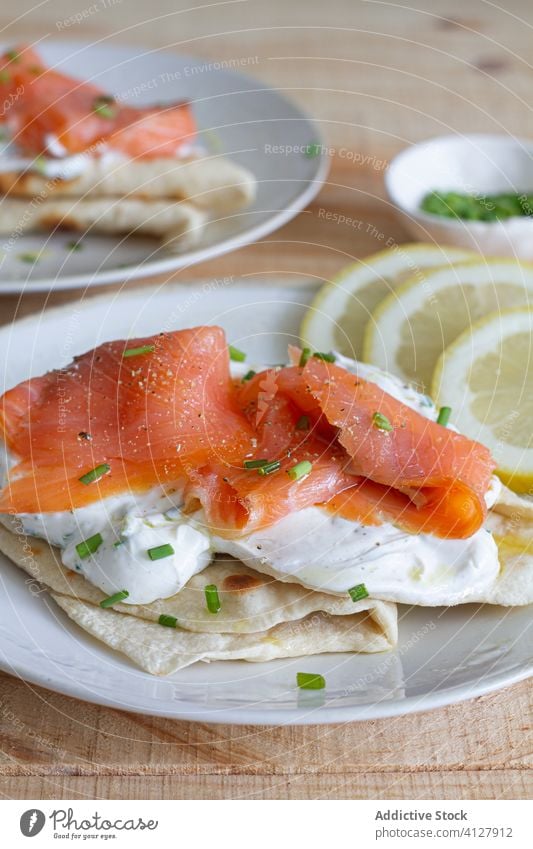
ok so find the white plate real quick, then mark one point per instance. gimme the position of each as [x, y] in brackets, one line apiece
[443, 656]
[237, 116]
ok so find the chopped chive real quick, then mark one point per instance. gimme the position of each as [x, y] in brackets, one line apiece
[5, 76]
[114, 599]
[444, 416]
[236, 355]
[13, 55]
[304, 356]
[310, 681]
[105, 106]
[118, 543]
[89, 546]
[255, 464]
[168, 621]
[302, 423]
[75, 246]
[142, 349]
[249, 375]
[270, 468]
[312, 150]
[95, 474]
[358, 592]
[31, 257]
[328, 358]
[381, 422]
[300, 470]
[211, 598]
[160, 551]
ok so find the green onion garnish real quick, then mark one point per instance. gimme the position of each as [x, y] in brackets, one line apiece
[444, 416]
[95, 474]
[105, 106]
[358, 592]
[114, 599]
[302, 423]
[89, 546]
[75, 246]
[160, 551]
[312, 150]
[13, 55]
[270, 468]
[236, 355]
[328, 358]
[142, 349]
[211, 598]
[304, 356]
[300, 470]
[255, 464]
[249, 375]
[30, 257]
[5, 76]
[381, 422]
[310, 681]
[168, 621]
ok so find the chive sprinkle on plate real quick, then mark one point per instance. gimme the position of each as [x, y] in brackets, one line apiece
[300, 470]
[160, 551]
[358, 593]
[310, 681]
[105, 106]
[381, 422]
[88, 546]
[114, 599]
[249, 375]
[302, 423]
[444, 416]
[211, 598]
[168, 621]
[142, 349]
[95, 474]
[236, 355]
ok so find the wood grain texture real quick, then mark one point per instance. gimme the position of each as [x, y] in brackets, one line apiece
[376, 76]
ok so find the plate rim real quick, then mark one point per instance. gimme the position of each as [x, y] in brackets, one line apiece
[187, 710]
[175, 262]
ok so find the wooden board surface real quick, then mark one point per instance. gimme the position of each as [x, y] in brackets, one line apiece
[376, 76]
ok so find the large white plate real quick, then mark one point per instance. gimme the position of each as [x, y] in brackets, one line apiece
[237, 116]
[443, 655]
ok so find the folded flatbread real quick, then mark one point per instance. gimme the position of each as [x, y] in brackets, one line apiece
[179, 224]
[260, 618]
[211, 183]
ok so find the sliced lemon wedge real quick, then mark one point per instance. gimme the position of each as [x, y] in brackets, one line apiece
[486, 377]
[337, 317]
[412, 326]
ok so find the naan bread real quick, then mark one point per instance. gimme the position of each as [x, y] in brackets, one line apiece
[215, 183]
[180, 225]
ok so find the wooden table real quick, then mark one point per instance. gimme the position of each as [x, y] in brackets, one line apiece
[376, 77]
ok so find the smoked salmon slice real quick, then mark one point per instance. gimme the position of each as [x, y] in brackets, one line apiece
[81, 117]
[442, 475]
[164, 409]
[149, 408]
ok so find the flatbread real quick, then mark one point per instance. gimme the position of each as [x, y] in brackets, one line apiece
[260, 618]
[162, 651]
[180, 225]
[215, 183]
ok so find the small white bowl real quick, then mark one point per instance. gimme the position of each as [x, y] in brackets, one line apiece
[474, 164]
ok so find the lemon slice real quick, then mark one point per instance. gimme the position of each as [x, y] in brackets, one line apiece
[486, 377]
[411, 328]
[338, 315]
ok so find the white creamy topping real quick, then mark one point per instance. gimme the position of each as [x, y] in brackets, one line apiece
[320, 550]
